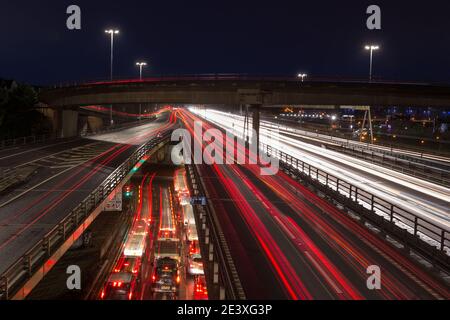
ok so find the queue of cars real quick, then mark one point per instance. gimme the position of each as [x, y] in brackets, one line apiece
[168, 255]
[194, 266]
[123, 281]
[166, 265]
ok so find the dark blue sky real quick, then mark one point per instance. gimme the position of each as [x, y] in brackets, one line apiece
[321, 37]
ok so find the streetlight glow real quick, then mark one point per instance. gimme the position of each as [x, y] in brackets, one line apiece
[112, 32]
[302, 76]
[141, 65]
[371, 48]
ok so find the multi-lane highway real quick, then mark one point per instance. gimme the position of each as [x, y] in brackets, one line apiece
[423, 198]
[287, 242]
[65, 173]
[154, 262]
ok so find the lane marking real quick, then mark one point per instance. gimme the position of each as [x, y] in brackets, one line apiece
[318, 267]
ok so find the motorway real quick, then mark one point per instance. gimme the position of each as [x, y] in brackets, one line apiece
[65, 173]
[425, 199]
[289, 126]
[288, 243]
[158, 214]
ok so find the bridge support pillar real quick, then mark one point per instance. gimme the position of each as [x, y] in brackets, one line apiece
[256, 111]
[66, 123]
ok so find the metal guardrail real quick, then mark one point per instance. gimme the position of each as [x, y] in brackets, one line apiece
[422, 229]
[27, 140]
[399, 164]
[417, 167]
[35, 139]
[246, 77]
[227, 271]
[23, 269]
[339, 137]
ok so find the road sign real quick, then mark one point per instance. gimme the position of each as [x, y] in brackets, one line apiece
[198, 201]
[114, 203]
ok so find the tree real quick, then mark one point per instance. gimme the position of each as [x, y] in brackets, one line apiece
[18, 116]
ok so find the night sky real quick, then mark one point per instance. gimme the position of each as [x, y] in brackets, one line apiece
[322, 38]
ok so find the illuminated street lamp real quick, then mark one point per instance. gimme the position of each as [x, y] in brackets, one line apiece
[371, 48]
[302, 76]
[112, 32]
[141, 65]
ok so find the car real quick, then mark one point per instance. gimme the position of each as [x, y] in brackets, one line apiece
[200, 288]
[166, 277]
[120, 286]
[195, 266]
[128, 264]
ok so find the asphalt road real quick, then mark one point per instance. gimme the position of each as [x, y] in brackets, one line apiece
[66, 174]
[287, 243]
[425, 199]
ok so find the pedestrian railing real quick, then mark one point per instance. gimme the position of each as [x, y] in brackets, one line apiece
[25, 267]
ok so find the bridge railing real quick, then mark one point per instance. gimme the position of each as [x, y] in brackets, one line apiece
[423, 230]
[240, 77]
[25, 267]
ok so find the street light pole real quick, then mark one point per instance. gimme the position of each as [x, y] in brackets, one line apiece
[371, 48]
[140, 65]
[112, 32]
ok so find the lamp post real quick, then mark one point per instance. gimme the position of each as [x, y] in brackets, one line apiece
[371, 48]
[140, 65]
[112, 32]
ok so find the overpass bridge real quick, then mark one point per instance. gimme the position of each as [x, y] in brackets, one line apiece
[240, 90]
[232, 91]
